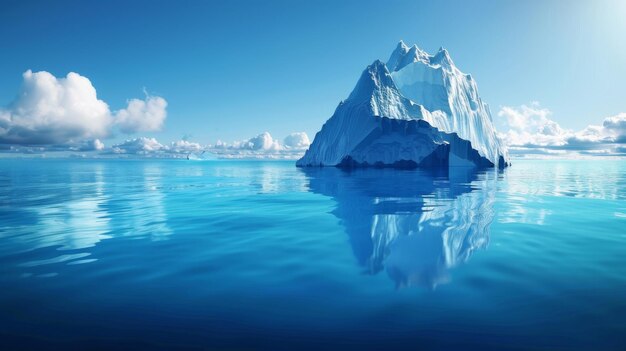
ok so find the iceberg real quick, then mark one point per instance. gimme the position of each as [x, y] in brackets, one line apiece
[416, 110]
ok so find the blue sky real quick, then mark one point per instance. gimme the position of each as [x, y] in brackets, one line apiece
[232, 69]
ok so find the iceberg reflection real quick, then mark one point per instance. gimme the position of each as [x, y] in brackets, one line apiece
[415, 225]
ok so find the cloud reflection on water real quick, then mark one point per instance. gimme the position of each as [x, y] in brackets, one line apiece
[77, 209]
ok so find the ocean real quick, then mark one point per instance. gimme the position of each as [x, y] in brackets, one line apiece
[256, 255]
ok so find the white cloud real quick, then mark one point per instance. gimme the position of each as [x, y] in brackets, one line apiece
[150, 147]
[98, 145]
[261, 142]
[616, 127]
[530, 125]
[263, 146]
[185, 147]
[50, 110]
[532, 132]
[142, 115]
[57, 111]
[137, 146]
[298, 140]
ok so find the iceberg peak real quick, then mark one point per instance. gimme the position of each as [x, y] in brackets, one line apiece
[373, 77]
[402, 46]
[442, 57]
[404, 55]
[397, 55]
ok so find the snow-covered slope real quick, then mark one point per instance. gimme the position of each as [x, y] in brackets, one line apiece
[423, 112]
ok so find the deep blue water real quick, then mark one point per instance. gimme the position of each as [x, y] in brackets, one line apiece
[223, 255]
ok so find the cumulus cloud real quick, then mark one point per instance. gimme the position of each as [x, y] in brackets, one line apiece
[150, 147]
[139, 146]
[57, 111]
[48, 110]
[616, 127]
[142, 115]
[264, 146]
[261, 142]
[98, 145]
[185, 147]
[298, 140]
[532, 132]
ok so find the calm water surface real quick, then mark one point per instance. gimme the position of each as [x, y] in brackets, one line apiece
[262, 255]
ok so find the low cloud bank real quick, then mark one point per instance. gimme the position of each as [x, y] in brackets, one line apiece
[150, 147]
[532, 133]
[263, 146]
